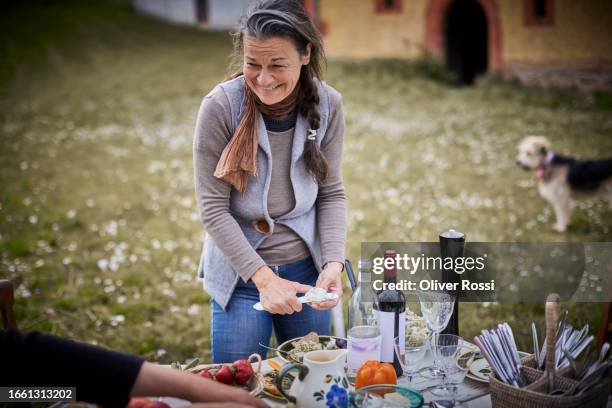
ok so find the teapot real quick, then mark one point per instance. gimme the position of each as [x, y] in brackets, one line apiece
[319, 370]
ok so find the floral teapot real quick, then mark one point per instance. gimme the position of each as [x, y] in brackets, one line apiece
[319, 371]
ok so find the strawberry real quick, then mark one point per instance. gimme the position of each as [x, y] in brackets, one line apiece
[242, 371]
[225, 375]
[156, 404]
[138, 402]
[205, 374]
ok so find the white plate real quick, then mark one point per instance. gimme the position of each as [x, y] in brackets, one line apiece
[475, 372]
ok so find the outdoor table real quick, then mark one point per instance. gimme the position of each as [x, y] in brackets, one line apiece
[473, 393]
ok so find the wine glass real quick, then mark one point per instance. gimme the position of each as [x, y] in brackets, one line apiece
[437, 309]
[445, 349]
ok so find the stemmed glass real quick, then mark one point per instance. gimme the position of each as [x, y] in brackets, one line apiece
[413, 351]
[437, 309]
[445, 349]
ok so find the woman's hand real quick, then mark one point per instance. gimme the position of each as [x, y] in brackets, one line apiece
[278, 295]
[330, 279]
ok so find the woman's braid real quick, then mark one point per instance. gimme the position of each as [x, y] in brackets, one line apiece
[309, 107]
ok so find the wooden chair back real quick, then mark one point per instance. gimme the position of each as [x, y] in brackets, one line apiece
[7, 299]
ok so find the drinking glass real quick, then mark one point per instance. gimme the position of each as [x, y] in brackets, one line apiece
[413, 351]
[445, 349]
[364, 343]
[437, 309]
[456, 373]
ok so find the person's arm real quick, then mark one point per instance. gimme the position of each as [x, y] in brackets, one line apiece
[155, 380]
[212, 133]
[331, 206]
[34, 359]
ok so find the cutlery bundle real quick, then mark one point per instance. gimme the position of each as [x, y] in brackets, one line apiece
[568, 346]
[499, 349]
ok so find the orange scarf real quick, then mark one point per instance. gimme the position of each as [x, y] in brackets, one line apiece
[238, 160]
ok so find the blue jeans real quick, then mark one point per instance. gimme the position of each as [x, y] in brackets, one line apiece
[237, 331]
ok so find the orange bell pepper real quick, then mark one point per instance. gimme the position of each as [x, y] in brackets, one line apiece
[375, 372]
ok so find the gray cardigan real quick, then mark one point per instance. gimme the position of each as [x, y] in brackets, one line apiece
[220, 276]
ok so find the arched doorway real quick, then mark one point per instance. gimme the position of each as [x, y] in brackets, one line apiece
[436, 26]
[466, 40]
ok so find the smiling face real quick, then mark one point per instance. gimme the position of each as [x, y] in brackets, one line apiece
[272, 67]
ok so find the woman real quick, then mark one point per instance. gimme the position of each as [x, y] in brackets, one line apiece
[267, 152]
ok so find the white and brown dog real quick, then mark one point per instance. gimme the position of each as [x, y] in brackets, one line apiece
[562, 179]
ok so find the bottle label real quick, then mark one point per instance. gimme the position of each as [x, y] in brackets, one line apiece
[386, 324]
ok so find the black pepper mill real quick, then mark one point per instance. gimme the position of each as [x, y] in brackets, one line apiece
[452, 244]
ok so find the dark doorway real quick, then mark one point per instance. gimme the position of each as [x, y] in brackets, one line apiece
[466, 40]
[202, 11]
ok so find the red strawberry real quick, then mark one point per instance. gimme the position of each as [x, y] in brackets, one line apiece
[138, 402]
[156, 404]
[242, 371]
[205, 374]
[225, 375]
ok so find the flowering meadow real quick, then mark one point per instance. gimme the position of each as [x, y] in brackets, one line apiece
[99, 229]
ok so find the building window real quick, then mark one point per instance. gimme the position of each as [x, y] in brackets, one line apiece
[539, 12]
[388, 6]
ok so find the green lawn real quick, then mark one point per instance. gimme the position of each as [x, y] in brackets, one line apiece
[99, 229]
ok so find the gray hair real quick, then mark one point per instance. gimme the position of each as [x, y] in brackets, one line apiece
[288, 19]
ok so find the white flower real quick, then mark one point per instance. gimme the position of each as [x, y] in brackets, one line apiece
[193, 310]
[102, 264]
[23, 292]
[117, 319]
[33, 219]
[71, 214]
[169, 292]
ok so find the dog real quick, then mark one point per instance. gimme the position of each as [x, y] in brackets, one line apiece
[563, 179]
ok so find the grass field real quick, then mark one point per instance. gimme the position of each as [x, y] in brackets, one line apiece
[99, 229]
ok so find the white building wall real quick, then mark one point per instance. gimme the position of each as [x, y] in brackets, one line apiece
[176, 11]
[224, 14]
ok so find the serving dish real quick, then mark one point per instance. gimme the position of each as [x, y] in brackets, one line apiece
[254, 386]
[285, 348]
[401, 396]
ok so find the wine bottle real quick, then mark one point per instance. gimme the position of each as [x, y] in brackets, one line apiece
[452, 244]
[363, 333]
[362, 304]
[391, 316]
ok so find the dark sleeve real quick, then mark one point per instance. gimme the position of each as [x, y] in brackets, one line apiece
[34, 359]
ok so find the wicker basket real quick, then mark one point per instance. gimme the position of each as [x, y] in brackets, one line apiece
[535, 394]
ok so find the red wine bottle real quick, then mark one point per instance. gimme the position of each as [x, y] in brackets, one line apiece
[391, 316]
